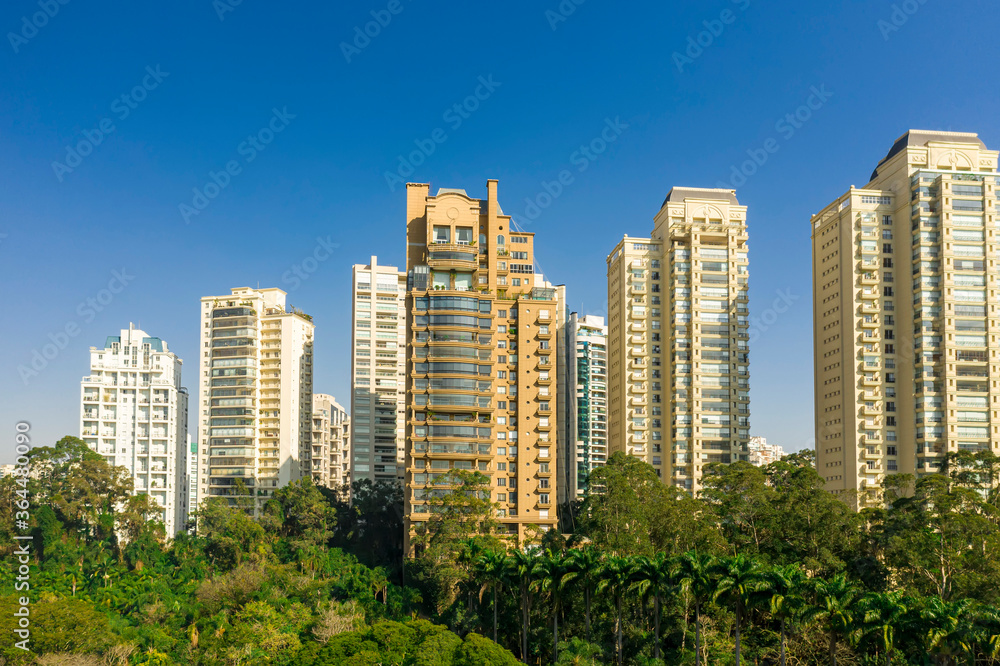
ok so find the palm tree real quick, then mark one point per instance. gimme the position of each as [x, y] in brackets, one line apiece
[834, 609]
[652, 577]
[491, 569]
[585, 568]
[693, 572]
[617, 575]
[986, 631]
[551, 573]
[738, 579]
[946, 624]
[785, 598]
[522, 569]
[471, 548]
[882, 613]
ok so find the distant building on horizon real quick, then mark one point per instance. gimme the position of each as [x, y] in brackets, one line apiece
[762, 453]
[904, 319]
[255, 400]
[678, 338]
[134, 412]
[378, 372]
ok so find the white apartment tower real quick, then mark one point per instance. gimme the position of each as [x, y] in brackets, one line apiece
[331, 453]
[585, 416]
[378, 373]
[678, 338]
[134, 413]
[255, 402]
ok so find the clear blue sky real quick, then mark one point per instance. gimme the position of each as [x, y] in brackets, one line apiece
[323, 175]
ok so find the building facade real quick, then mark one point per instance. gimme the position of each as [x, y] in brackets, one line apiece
[191, 480]
[584, 410]
[331, 450]
[255, 400]
[762, 453]
[678, 338]
[134, 412]
[482, 353]
[905, 333]
[378, 373]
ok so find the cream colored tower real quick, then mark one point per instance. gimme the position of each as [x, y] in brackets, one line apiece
[481, 357]
[378, 372]
[905, 336]
[255, 401]
[678, 336]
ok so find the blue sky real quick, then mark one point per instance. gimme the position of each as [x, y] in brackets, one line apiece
[209, 84]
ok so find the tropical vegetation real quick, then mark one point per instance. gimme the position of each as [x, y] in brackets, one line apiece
[763, 567]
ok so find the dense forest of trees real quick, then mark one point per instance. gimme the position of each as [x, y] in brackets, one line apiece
[764, 567]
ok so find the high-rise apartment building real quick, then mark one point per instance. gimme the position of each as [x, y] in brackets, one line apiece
[378, 373]
[191, 480]
[482, 353]
[331, 451]
[583, 425]
[134, 412]
[905, 331]
[762, 453]
[255, 401]
[678, 337]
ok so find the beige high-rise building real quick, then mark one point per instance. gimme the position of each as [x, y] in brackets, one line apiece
[905, 333]
[255, 401]
[481, 358]
[378, 372]
[331, 451]
[678, 337]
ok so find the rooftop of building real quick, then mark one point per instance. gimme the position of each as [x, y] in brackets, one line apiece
[680, 194]
[135, 336]
[915, 137]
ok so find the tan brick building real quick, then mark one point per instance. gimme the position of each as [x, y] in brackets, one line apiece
[481, 357]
